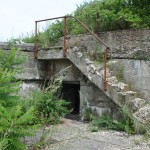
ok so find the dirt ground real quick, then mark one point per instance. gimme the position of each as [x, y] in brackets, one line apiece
[75, 135]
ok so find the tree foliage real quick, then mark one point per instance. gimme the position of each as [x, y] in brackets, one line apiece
[14, 123]
[9, 66]
[115, 14]
[110, 14]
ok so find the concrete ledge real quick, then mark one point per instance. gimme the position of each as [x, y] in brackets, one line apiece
[51, 54]
[22, 46]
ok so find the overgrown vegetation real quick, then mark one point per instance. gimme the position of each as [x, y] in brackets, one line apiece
[49, 107]
[106, 122]
[97, 55]
[18, 118]
[14, 123]
[119, 74]
[99, 15]
[125, 123]
[115, 14]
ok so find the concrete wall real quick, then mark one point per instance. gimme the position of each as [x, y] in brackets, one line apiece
[35, 72]
[93, 98]
[63, 68]
[123, 44]
[28, 86]
[32, 69]
[136, 73]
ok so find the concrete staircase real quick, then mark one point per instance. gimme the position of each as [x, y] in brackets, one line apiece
[119, 92]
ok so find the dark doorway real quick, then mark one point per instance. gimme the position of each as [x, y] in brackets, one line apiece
[70, 93]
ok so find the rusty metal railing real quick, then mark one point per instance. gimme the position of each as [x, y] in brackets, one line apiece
[64, 46]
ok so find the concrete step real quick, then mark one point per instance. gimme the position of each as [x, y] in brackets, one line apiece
[142, 115]
[121, 87]
[135, 104]
[112, 80]
[120, 98]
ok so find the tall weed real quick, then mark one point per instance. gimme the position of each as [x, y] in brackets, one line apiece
[49, 107]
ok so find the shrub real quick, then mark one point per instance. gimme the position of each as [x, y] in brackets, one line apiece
[49, 107]
[14, 125]
[9, 66]
[87, 114]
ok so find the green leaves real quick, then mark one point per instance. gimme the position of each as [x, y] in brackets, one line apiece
[11, 59]
[113, 15]
[9, 67]
[15, 124]
[49, 108]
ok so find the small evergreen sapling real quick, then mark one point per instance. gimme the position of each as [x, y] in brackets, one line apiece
[14, 125]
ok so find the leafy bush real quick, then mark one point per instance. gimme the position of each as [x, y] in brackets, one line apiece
[114, 14]
[28, 38]
[14, 125]
[51, 34]
[106, 122]
[9, 85]
[49, 107]
[87, 114]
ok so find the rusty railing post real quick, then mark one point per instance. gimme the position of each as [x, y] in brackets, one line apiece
[65, 48]
[105, 69]
[35, 42]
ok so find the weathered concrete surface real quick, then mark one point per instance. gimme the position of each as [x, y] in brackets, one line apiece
[28, 86]
[43, 69]
[21, 46]
[32, 69]
[63, 68]
[74, 135]
[136, 73]
[51, 54]
[91, 97]
[123, 44]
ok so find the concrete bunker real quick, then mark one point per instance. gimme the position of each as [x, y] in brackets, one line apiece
[71, 93]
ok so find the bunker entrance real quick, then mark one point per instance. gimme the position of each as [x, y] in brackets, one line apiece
[70, 93]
